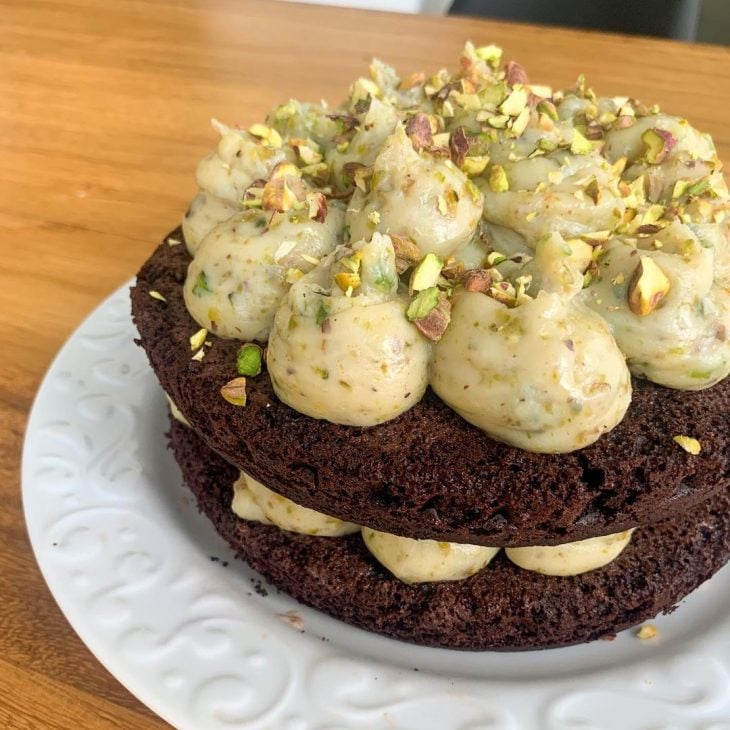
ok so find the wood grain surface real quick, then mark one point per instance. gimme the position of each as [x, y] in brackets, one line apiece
[104, 109]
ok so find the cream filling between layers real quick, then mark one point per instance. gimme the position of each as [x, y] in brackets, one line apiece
[254, 499]
[175, 412]
[410, 560]
[422, 561]
[571, 558]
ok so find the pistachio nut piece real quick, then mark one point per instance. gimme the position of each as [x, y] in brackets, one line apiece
[426, 274]
[648, 286]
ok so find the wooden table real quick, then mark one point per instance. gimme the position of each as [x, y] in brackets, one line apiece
[104, 110]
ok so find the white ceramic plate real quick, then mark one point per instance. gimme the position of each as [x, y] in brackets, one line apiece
[129, 560]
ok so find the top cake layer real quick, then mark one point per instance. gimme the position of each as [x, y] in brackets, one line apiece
[428, 473]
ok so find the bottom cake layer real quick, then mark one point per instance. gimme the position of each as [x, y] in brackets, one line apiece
[500, 608]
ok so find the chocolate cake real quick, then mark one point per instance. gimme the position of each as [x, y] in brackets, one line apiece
[499, 608]
[456, 314]
[428, 473]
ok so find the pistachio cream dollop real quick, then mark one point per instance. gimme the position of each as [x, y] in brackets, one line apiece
[342, 347]
[225, 173]
[544, 376]
[241, 269]
[425, 198]
[542, 373]
[537, 244]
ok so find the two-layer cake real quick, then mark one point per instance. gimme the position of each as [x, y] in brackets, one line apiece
[402, 334]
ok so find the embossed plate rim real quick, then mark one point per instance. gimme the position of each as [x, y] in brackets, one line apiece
[125, 559]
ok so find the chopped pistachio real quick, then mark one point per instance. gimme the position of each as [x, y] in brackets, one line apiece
[680, 188]
[580, 145]
[546, 145]
[317, 203]
[548, 108]
[201, 285]
[459, 144]
[419, 131]
[523, 283]
[234, 391]
[493, 95]
[432, 314]
[491, 54]
[652, 214]
[647, 287]
[498, 181]
[268, 135]
[498, 121]
[358, 174]
[279, 196]
[197, 340]
[594, 131]
[520, 123]
[503, 292]
[406, 251]
[515, 73]
[658, 144]
[319, 172]
[322, 313]
[248, 360]
[353, 262]
[698, 188]
[452, 200]
[689, 444]
[156, 295]
[308, 150]
[285, 170]
[474, 166]
[253, 197]
[426, 274]
[363, 89]
[441, 142]
[606, 119]
[647, 631]
[515, 102]
[285, 111]
[477, 280]
[423, 303]
[627, 111]
[494, 258]
[542, 90]
[347, 280]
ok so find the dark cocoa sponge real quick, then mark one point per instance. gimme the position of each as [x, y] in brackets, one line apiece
[501, 608]
[428, 473]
